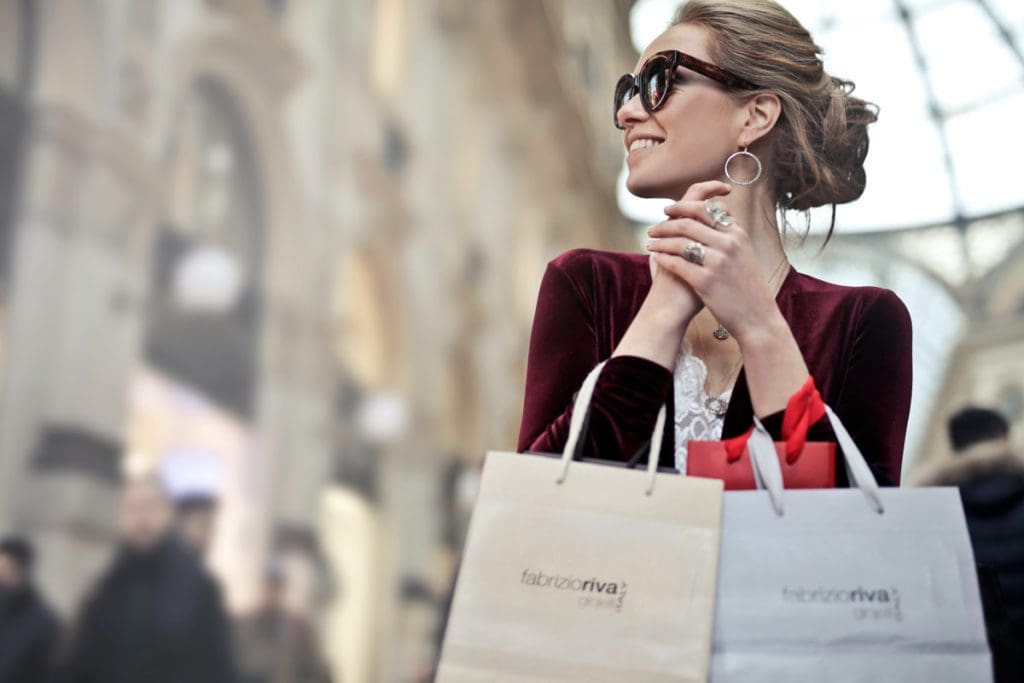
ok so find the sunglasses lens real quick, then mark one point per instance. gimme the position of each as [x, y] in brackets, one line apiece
[655, 79]
[623, 93]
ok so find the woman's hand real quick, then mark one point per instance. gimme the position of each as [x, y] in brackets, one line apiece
[669, 292]
[670, 305]
[729, 281]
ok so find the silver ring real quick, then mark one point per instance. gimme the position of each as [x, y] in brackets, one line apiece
[719, 216]
[694, 253]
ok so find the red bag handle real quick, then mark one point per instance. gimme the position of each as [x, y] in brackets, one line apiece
[803, 409]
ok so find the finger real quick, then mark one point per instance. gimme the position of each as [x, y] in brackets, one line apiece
[689, 228]
[698, 192]
[725, 222]
[690, 273]
[677, 246]
[688, 209]
[673, 246]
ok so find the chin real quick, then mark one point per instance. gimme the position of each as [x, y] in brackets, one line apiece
[646, 189]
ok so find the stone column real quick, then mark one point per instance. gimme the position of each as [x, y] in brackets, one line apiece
[77, 293]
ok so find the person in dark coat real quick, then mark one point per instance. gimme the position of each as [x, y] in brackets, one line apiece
[155, 615]
[29, 630]
[990, 476]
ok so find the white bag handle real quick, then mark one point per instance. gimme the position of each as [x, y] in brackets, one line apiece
[579, 414]
[768, 472]
[765, 463]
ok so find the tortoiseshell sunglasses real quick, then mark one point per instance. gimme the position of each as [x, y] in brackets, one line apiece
[655, 78]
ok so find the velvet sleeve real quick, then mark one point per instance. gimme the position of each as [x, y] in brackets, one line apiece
[563, 350]
[874, 403]
[874, 400]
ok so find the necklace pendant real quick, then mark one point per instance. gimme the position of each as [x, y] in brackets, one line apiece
[716, 405]
[721, 334]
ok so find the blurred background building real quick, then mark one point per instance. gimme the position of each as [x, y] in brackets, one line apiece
[287, 252]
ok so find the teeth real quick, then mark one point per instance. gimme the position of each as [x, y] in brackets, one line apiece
[641, 143]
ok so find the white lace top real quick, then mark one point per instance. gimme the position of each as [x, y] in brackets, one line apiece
[693, 420]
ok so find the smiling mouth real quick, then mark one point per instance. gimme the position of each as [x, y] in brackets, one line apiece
[644, 143]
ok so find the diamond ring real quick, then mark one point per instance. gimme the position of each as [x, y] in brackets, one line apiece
[719, 216]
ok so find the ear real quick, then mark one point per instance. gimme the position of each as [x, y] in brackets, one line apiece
[758, 116]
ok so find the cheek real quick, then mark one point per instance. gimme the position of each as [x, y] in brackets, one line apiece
[693, 157]
[699, 131]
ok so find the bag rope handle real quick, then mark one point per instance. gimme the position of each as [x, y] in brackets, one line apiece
[576, 424]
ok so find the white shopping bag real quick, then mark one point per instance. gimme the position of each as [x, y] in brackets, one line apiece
[844, 585]
[581, 572]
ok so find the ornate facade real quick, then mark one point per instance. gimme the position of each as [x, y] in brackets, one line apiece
[384, 180]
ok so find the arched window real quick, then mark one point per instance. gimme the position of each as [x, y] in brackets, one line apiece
[204, 317]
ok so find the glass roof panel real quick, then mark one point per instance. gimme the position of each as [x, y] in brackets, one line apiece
[970, 68]
[988, 154]
[647, 20]
[907, 180]
[923, 4]
[1010, 12]
[886, 74]
[819, 15]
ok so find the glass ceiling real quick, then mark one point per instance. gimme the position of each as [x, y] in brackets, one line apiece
[948, 76]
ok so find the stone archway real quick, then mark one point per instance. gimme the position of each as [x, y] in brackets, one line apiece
[293, 373]
[215, 211]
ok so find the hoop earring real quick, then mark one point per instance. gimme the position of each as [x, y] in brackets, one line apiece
[753, 156]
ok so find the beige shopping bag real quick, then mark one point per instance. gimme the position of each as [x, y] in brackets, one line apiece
[581, 572]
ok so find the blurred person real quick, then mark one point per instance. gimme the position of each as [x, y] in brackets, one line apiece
[276, 645]
[195, 521]
[155, 615]
[730, 114]
[990, 476]
[29, 629]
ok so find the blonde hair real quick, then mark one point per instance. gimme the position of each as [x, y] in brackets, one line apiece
[820, 140]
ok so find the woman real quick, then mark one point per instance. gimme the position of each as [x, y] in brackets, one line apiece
[732, 111]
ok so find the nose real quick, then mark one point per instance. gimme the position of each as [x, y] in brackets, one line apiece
[631, 112]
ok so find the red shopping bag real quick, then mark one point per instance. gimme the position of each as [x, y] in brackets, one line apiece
[815, 468]
[805, 464]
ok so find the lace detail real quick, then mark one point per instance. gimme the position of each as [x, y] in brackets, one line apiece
[693, 421]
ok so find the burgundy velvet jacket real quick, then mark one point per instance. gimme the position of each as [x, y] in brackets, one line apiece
[855, 340]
